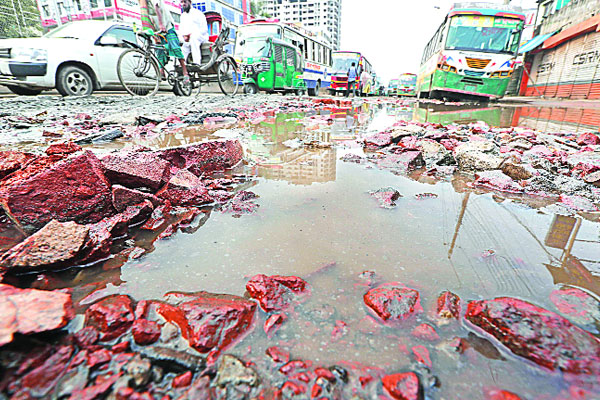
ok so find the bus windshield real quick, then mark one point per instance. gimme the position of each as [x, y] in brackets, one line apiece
[485, 34]
[343, 63]
[254, 48]
[408, 79]
[259, 30]
[263, 31]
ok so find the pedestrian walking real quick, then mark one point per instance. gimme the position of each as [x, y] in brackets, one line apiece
[352, 74]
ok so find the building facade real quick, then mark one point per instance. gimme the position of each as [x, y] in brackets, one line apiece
[566, 61]
[319, 16]
[56, 12]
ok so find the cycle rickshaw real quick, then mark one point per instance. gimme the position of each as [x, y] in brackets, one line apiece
[138, 67]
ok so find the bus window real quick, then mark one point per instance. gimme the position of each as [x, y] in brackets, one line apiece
[306, 48]
[320, 52]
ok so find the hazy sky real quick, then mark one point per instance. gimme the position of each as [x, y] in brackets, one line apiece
[393, 33]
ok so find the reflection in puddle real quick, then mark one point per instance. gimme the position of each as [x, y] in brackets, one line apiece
[543, 119]
[343, 122]
[301, 167]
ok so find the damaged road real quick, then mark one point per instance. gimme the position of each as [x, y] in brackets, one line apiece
[293, 248]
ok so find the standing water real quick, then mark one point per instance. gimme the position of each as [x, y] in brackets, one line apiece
[317, 220]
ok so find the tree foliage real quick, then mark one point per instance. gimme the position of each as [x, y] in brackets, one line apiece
[257, 8]
[19, 18]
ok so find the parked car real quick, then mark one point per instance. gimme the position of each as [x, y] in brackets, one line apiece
[76, 59]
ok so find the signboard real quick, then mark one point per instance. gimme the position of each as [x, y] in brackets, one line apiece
[128, 10]
[482, 21]
[560, 232]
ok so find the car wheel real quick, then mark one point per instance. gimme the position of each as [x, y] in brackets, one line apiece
[74, 81]
[24, 91]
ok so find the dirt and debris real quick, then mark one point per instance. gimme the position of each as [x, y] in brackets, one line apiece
[510, 160]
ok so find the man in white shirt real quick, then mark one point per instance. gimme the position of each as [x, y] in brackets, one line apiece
[193, 29]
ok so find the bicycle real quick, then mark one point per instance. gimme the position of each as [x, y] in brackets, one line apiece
[138, 67]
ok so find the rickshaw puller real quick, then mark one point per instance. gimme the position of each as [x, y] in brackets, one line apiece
[161, 19]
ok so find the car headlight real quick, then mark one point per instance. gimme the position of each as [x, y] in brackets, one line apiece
[29, 55]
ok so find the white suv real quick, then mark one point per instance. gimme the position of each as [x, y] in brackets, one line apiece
[76, 59]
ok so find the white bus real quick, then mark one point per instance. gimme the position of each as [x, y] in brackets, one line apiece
[317, 54]
[472, 54]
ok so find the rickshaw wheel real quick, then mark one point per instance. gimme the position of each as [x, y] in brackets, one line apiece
[138, 73]
[250, 88]
[299, 92]
[228, 76]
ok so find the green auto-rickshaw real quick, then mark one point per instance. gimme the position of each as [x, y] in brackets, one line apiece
[271, 65]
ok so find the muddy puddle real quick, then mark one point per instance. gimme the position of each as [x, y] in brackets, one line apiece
[317, 221]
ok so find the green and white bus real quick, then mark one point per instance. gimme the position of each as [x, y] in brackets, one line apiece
[472, 54]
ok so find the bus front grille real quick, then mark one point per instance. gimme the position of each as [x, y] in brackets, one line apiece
[472, 81]
[474, 73]
[477, 63]
[5, 53]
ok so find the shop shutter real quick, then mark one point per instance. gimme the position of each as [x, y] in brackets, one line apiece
[565, 80]
[557, 73]
[595, 90]
[581, 67]
[571, 70]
